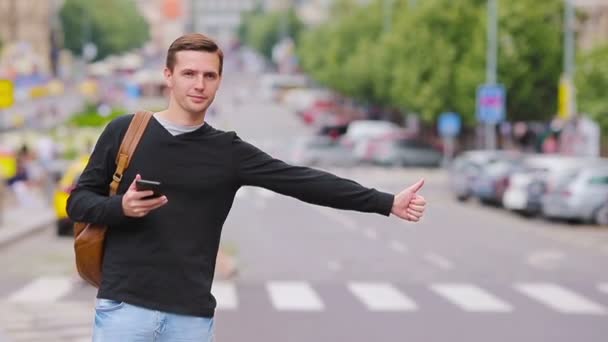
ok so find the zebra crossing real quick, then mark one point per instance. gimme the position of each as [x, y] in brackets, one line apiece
[47, 309]
[304, 296]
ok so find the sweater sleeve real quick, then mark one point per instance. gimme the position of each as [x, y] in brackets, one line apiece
[90, 201]
[255, 167]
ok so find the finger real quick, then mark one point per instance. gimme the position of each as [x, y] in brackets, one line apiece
[412, 218]
[418, 201]
[132, 186]
[419, 208]
[148, 203]
[419, 197]
[417, 186]
[138, 195]
[414, 213]
[158, 205]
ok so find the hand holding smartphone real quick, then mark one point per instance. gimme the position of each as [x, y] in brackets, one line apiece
[143, 185]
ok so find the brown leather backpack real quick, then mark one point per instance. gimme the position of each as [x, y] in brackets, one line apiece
[89, 237]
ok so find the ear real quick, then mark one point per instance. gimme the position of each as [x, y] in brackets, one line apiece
[168, 77]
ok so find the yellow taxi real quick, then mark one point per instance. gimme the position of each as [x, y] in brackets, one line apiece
[64, 188]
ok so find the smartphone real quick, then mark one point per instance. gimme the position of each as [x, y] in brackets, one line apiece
[143, 185]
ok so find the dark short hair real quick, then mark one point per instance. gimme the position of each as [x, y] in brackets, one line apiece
[193, 42]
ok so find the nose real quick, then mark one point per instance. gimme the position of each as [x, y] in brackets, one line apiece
[200, 83]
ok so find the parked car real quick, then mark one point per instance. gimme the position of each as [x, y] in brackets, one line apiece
[493, 179]
[359, 132]
[66, 184]
[580, 195]
[465, 169]
[368, 149]
[322, 151]
[407, 152]
[539, 174]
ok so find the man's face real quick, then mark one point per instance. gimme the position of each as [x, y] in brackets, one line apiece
[194, 80]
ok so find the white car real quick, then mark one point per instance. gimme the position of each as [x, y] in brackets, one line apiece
[539, 173]
[359, 132]
[581, 195]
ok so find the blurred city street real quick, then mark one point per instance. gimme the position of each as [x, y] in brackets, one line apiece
[500, 106]
[467, 272]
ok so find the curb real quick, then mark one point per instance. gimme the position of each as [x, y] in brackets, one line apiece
[9, 236]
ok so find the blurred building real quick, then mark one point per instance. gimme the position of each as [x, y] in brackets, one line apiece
[219, 18]
[27, 29]
[167, 20]
[593, 22]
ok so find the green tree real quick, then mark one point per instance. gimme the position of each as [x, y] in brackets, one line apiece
[114, 26]
[261, 31]
[591, 83]
[433, 58]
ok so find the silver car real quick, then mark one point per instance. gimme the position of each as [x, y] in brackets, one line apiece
[579, 196]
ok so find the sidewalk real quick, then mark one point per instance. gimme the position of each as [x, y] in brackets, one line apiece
[18, 222]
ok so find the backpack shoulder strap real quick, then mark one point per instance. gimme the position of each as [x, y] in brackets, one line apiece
[127, 147]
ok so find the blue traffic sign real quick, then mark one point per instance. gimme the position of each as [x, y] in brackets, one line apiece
[449, 124]
[491, 101]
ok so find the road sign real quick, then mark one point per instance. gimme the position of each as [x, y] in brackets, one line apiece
[7, 94]
[491, 104]
[449, 124]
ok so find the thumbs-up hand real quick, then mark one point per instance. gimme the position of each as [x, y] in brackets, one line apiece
[408, 205]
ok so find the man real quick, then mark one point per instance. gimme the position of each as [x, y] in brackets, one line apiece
[160, 253]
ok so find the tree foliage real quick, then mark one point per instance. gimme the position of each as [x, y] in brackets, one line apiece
[114, 26]
[261, 31]
[433, 58]
[591, 84]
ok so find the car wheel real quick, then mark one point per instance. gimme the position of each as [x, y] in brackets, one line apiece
[462, 198]
[601, 215]
[64, 228]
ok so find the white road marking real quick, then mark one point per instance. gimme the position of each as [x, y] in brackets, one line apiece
[438, 261]
[397, 246]
[471, 298]
[381, 297]
[371, 234]
[547, 259]
[225, 295]
[43, 289]
[560, 299]
[294, 296]
[265, 193]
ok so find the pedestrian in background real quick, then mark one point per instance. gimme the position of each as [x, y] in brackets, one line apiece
[160, 253]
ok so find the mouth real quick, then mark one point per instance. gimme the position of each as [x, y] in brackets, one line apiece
[198, 98]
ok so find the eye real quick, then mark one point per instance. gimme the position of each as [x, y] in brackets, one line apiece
[189, 73]
[211, 76]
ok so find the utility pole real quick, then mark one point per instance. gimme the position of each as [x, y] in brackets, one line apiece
[388, 18]
[491, 64]
[569, 50]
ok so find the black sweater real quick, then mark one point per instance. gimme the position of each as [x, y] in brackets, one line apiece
[165, 261]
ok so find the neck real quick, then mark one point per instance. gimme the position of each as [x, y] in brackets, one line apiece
[175, 114]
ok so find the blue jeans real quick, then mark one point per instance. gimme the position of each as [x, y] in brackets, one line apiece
[119, 321]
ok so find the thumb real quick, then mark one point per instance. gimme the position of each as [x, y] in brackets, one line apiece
[132, 186]
[417, 186]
